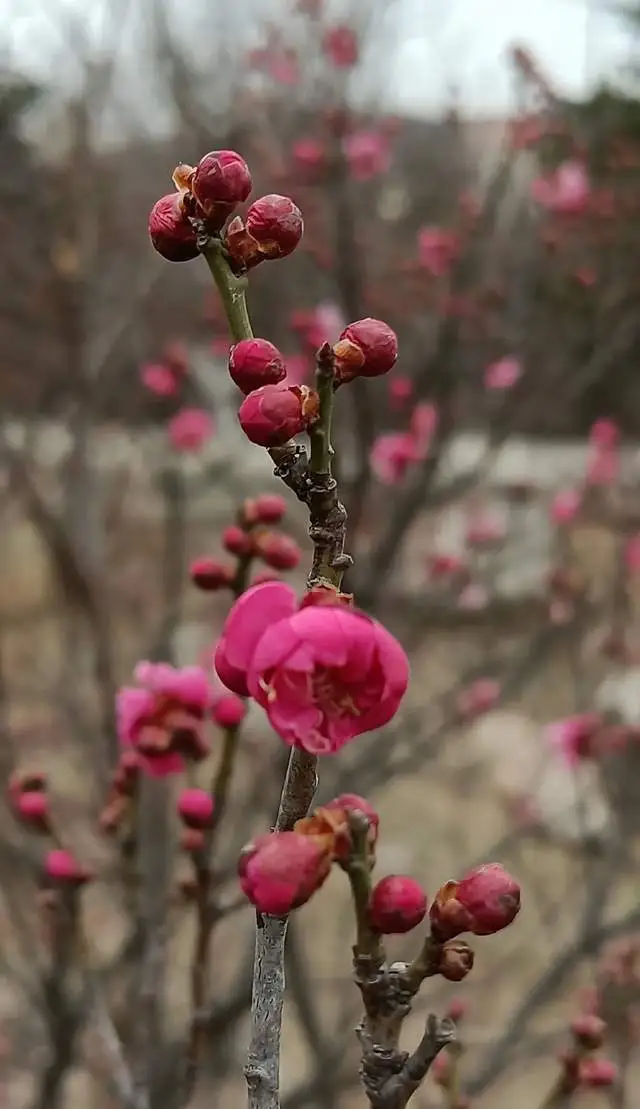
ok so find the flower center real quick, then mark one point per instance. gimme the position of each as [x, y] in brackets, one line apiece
[330, 695]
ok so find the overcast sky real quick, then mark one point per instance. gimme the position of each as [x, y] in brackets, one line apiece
[444, 43]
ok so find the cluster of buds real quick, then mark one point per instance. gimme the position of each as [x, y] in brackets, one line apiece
[253, 536]
[29, 802]
[196, 809]
[581, 1068]
[205, 198]
[281, 871]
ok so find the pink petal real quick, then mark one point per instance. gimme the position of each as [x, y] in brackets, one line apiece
[253, 613]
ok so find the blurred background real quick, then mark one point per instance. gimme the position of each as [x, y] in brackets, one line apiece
[469, 173]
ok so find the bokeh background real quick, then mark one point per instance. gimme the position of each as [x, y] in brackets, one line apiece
[469, 173]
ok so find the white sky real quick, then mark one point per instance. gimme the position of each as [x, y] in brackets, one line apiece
[446, 43]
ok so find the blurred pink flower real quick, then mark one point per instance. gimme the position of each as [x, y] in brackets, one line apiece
[367, 153]
[340, 45]
[566, 191]
[285, 68]
[503, 374]
[309, 155]
[483, 528]
[573, 737]
[474, 597]
[400, 390]
[299, 368]
[438, 249]
[565, 506]
[478, 697]
[392, 454]
[168, 704]
[159, 379]
[323, 673]
[440, 565]
[604, 433]
[190, 429]
[424, 422]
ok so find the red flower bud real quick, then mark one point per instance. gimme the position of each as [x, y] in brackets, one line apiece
[243, 250]
[280, 552]
[209, 574]
[236, 541]
[366, 348]
[589, 1030]
[229, 711]
[281, 870]
[220, 182]
[255, 362]
[32, 808]
[170, 230]
[192, 840]
[491, 897]
[195, 808]
[276, 224]
[353, 803]
[597, 1072]
[63, 869]
[456, 960]
[340, 45]
[272, 415]
[268, 508]
[397, 905]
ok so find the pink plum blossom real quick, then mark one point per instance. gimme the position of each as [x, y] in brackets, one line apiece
[392, 453]
[565, 506]
[159, 379]
[162, 718]
[400, 391]
[438, 249]
[424, 423]
[573, 738]
[503, 374]
[604, 433]
[323, 673]
[474, 597]
[367, 154]
[566, 191]
[284, 68]
[190, 429]
[309, 155]
[478, 697]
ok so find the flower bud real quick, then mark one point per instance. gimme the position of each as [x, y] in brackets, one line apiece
[192, 840]
[280, 552]
[448, 917]
[243, 250]
[272, 415]
[229, 711]
[281, 870]
[209, 574]
[171, 231]
[236, 541]
[597, 1073]
[456, 960]
[353, 803]
[457, 1009]
[32, 809]
[195, 808]
[589, 1031]
[63, 869]
[220, 182]
[366, 348]
[268, 508]
[397, 905]
[276, 225]
[255, 362]
[491, 897]
[326, 595]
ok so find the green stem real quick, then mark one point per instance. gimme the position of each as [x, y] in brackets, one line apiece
[232, 289]
[368, 943]
[320, 434]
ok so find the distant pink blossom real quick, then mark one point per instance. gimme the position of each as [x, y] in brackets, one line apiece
[478, 697]
[309, 155]
[340, 46]
[392, 454]
[474, 597]
[190, 429]
[483, 528]
[573, 738]
[604, 433]
[298, 367]
[424, 423]
[400, 390]
[367, 153]
[566, 191]
[503, 374]
[159, 379]
[565, 506]
[285, 68]
[162, 717]
[323, 673]
[440, 565]
[438, 249]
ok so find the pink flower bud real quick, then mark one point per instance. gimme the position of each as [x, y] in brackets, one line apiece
[340, 46]
[281, 870]
[220, 182]
[170, 230]
[589, 1031]
[195, 808]
[62, 868]
[229, 711]
[565, 506]
[192, 840]
[159, 379]
[366, 348]
[280, 552]
[397, 905]
[456, 960]
[255, 362]
[597, 1073]
[190, 429]
[276, 224]
[272, 415]
[236, 541]
[491, 897]
[268, 508]
[457, 1009]
[32, 808]
[25, 782]
[348, 803]
[209, 574]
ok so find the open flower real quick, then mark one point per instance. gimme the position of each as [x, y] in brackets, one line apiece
[323, 673]
[164, 718]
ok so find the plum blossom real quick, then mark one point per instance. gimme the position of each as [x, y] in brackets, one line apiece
[573, 738]
[400, 391]
[392, 453]
[162, 717]
[367, 154]
[503, 374]
[159, 379]
[309, 155]
[565, 506]
[323, 673]
[438, 249]
[566, 191]
[190, 429]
